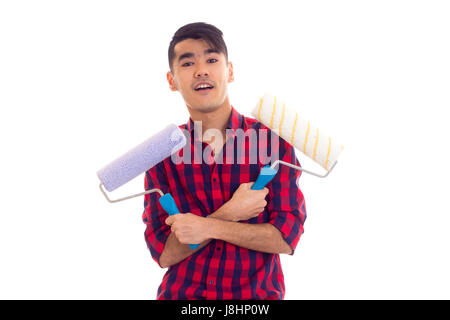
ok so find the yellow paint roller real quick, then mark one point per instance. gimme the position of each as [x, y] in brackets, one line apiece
[297, 131]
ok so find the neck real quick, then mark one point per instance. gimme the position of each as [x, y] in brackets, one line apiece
[216, 119]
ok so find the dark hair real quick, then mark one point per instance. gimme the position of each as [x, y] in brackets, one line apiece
[198, 30]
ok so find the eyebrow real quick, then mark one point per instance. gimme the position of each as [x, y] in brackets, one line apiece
[190, 54]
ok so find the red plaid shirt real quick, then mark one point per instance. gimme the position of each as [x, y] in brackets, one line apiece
[222, 270]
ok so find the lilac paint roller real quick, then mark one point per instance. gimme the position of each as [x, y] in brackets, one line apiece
[140, 159]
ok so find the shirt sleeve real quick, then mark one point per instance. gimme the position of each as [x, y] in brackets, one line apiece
[154, 216]
[286, 203]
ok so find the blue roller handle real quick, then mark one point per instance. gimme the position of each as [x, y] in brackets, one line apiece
[265, 176]
[168, 203]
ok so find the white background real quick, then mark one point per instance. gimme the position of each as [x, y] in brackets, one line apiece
[81, 82]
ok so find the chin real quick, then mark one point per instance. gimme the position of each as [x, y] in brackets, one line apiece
[206, 107]
[210, 108]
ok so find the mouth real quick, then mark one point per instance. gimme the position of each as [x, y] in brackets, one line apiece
[204, 87]
[204, 91]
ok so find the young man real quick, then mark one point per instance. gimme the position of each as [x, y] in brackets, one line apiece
[241, 232]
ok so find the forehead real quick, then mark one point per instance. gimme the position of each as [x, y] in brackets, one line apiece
[196, 46]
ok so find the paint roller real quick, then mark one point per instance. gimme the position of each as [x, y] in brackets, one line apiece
[140, 159]
[300, 133]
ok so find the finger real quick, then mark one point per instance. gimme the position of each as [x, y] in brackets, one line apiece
[258, 212]
[262, 193]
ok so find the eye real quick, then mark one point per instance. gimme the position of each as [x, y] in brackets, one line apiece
[185, 64]
[213, 59]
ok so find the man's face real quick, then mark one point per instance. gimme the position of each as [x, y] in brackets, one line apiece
[196, 62]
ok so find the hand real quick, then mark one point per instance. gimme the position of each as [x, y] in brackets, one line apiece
[189, 228]
[246, 203]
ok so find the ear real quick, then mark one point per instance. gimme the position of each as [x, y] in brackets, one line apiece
[171, 81]
[230, 72]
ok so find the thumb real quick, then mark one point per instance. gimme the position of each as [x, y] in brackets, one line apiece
[170, 220]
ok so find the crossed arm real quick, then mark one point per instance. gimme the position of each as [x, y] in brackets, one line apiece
[223, 224]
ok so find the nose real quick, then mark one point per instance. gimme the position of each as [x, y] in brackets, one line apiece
[201, 74]
[201, 71]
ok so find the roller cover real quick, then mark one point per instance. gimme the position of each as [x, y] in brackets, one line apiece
[142, 157]
[299, 132]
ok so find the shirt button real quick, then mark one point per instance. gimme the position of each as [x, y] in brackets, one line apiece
[211, 282]
[218, 248]
[214, 179]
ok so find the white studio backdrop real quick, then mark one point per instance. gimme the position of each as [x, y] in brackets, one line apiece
[81, 82]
